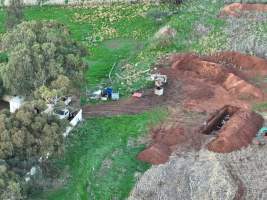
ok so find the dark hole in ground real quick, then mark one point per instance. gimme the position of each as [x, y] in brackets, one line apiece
[4, 105]
[215, 123]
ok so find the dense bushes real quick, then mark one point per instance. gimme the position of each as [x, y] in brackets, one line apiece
[9, 184]
[28, 133]
[39, 52]
[26, 138]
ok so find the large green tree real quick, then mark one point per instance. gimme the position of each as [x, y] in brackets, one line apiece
[39, 52]
[29, 133]
[14, 13]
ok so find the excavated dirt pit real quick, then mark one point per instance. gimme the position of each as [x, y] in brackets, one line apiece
[238, 132]
[218, 86]
[218, 120]
[233, 128]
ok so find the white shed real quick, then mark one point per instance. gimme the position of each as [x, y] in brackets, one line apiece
[15, 103]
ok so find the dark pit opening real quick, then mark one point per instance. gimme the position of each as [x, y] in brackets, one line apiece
[4, 105]
[217, 121]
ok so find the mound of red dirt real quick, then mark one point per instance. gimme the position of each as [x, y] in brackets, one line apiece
[172, 137]
[243, 62]
[204, 68]
[155, 154]
[234, 133]
[207, 84]
[164, 143]
[235, 85]
[235, 8]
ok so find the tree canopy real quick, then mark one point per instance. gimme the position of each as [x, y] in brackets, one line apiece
[29, 133]
[39, 52]
[14, 13]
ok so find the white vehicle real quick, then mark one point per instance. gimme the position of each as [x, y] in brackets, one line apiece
[96, 95]
[62, 113]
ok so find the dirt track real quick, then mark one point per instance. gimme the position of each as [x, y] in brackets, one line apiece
[124, 106]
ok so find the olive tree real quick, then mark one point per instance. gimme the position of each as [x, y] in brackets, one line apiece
[39, 52]
[30, 133]
[58, 88]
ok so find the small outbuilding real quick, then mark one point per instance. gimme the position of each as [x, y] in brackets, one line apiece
[15, 102]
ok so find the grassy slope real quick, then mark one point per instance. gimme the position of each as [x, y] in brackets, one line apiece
[90, 22]
[101, 160]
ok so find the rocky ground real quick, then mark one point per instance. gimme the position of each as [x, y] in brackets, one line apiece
[206, 175]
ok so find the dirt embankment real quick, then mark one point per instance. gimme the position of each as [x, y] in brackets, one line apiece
[207, 85]
[233, 129]
[234, 9]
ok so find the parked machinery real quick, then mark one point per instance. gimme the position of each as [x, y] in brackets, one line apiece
[261, 135]
[160, 81]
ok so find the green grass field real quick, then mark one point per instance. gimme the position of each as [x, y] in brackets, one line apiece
[101, 158]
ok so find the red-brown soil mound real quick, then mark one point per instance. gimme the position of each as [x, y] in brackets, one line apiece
[164, 142]
[155, 154]
[235, 8]
[242, 62]
[208, 84]
[228, 78]
[235, 85]
[235, 132]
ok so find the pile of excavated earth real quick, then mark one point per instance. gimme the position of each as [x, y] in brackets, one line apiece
[208, 154]
[219, 87]
[205, 149]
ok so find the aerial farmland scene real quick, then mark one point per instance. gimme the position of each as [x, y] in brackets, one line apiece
[133, 99]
